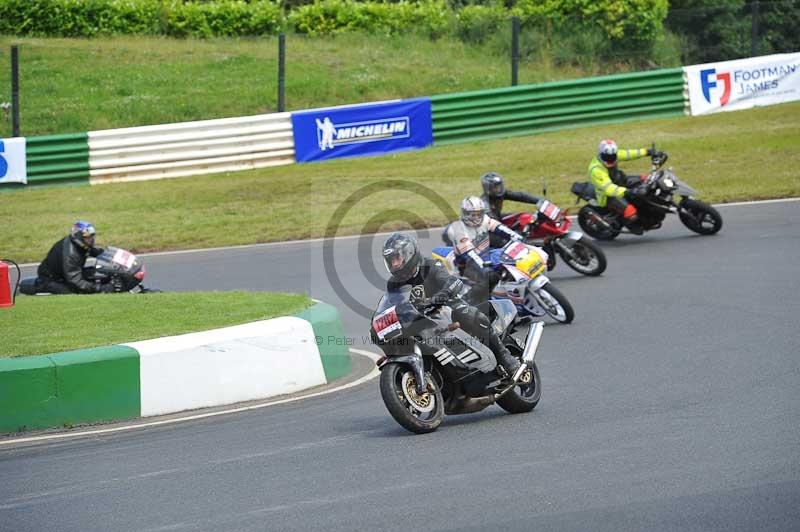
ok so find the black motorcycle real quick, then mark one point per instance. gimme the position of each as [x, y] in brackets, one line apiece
[654, 198]
[431, 367]
[118, 267]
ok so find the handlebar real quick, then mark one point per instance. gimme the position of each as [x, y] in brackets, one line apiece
[657, 161]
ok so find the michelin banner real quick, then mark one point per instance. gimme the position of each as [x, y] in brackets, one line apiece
[367, 129]
[13, 168]
[744, 83]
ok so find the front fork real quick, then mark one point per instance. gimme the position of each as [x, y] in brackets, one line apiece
[417, 366]
[562, 244]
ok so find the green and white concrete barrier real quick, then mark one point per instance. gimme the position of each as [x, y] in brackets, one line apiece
[165, 375]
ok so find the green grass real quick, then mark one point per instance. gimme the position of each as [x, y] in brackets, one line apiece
[729, 156]
[48, 324]
[76, 85]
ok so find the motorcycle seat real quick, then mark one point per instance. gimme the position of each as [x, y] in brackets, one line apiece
[583, 190]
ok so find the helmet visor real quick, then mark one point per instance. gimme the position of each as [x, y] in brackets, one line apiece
[609, 159]
[472, 218]
[396, 259]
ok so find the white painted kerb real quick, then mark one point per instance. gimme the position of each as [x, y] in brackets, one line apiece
[230, 365]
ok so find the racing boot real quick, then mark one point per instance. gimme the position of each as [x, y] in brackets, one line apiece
[509, 362]
[630, 218]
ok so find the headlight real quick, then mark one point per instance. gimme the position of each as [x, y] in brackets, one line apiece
[668, 183]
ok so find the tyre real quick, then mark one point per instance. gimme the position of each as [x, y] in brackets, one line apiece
[588, 258]
[416, 413]
[525, 395]
[555, 304]
[587, 220]
[700, 217]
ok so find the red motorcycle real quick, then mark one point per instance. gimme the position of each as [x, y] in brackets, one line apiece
[548, 228]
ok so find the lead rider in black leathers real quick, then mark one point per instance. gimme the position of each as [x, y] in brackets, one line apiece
[406, 265]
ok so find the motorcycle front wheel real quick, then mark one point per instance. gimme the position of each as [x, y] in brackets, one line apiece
[700, 217]
[416, 413]
[587, 258]
[525, 395]
[587, 219]
[554, 303]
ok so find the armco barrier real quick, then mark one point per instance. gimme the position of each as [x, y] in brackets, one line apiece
[527, 109]
[243, 143]
[154, 377]
[190, 148]
[57, 159]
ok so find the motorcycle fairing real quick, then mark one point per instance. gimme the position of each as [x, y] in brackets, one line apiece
[549, 210]
[463, 352]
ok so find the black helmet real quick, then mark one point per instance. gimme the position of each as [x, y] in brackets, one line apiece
[82, 234]
[401, 256]
[493, 185]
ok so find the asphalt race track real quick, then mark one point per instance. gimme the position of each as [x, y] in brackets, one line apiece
[671, 403]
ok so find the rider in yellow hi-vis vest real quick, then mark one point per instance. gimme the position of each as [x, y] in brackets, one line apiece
[609, 181]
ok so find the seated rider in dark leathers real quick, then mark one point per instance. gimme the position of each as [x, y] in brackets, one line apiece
[61, 272]
[494, 193]
[406, 266]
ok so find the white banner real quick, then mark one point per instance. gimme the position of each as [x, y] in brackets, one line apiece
[13, 166]
[744, 83]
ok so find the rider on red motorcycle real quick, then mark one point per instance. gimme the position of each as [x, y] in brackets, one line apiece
[495, 192]
[610, 182]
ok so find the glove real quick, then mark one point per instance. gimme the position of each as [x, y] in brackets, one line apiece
[635, 192]
[105, 288]
[659, 157]
[113, 286]
[116, 282]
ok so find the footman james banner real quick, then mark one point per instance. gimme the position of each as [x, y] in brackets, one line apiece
[13, 168]
[744, 83]
[368, 129]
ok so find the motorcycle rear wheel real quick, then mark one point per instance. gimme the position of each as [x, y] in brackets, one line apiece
[590, 258]
[554, 303]
[700, 217]
[591, 227]
[525, 395]
[419, 414]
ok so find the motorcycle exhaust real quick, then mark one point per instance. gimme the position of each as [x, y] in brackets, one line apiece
[532, 342]
[531, 345]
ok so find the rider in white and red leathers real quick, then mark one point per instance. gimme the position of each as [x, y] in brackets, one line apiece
[470, 238]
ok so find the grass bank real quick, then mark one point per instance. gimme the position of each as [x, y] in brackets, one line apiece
[727, 157]
[76, 85]
[48, 324]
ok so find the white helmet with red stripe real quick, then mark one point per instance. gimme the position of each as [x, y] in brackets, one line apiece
[607, 152]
